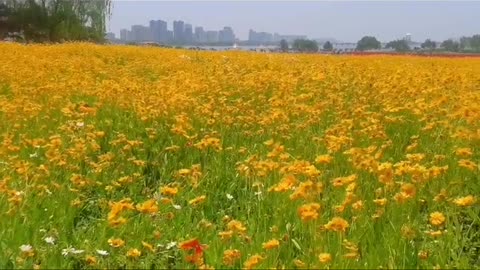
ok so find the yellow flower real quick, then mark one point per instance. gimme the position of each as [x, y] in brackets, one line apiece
[323, 159]
[286, 184]
[468, 164]
[380, 202]
[337, 224]
[253, 261]
[309, 211]
[342, 181]
[435, 233]
[197, 200]
[133, 253]
[148, 207]
[464, 152]
[230, 256]
[116, 242]
[358, 205]
[236, 226]
[274, 243]
[437, 218]
[148, 246]
[325, 257]
[298, 263]
[465, 201]
[90, 260]
[169, 191]
[423, 255]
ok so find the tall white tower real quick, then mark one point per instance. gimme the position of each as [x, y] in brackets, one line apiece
[408, 37]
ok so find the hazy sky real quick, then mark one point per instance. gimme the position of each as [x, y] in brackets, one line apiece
[342, 20]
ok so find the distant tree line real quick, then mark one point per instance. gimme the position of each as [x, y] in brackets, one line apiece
[54, 20]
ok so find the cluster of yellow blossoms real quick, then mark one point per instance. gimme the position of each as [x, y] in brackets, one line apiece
[118, 156]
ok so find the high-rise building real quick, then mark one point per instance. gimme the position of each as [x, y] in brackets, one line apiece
[188, 33]
[110, 36]
[141, 33]
[226, 35]
[212, 36]
[259, 37]
[169, 38]
[178, 31]
[159, 30]
[200, 36]
[123, 34]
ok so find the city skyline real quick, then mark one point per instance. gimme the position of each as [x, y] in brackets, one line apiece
[343, 21]
[181, 32]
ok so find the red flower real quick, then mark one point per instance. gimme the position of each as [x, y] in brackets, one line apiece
[198, 248]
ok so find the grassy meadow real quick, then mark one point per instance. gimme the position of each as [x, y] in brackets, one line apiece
[129, 157]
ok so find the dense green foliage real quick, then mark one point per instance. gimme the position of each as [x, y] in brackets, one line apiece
[283, 45]
[429, 44]
[328, 46]
[305, 45]
[368, 43]
[54, 20]
[451, 45]
[399, 45]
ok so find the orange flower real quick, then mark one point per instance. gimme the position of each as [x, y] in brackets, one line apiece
[117, 208]
[134, 253]
[465, 201]
[226, 235]
[274, 243]
[253, 261]
[298, 263]
[325, 257]
[197, 200]
[148, 246]
[193, 244]
[148, 207]
[230, 256]
[90, 260]
[337, 224]
[437, 218]
[464, 152]
[116, 242]
[380, 202]
[286, 184]
[323, 159]
[309, 211]
[468, 164]
[342, 181]
[236, 226]
[169, 191]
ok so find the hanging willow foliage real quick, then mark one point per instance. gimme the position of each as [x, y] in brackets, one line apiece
[55, 20]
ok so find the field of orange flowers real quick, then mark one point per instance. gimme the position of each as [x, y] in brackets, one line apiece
[121, 157]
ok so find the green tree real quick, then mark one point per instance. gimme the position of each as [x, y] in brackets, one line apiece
[305, 45]
[59, 20]
[283, 45]
[475, 43]
[429, 45]
[327, 46]
[451, 45]
[399, 45]
[368, 43]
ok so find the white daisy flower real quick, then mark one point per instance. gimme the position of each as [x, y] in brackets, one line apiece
[102, 252]
[70, 250]
[49, 240]
[171, 245]
[229, 196]
[26, 248]
[176, 206]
